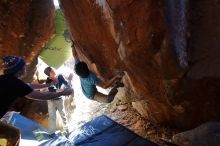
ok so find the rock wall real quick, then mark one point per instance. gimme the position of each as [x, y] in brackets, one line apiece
[168, 49]
[25, 26]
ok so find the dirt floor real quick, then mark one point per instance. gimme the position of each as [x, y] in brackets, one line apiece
[130, 118]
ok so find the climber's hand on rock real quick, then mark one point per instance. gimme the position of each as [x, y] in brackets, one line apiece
[120, 75]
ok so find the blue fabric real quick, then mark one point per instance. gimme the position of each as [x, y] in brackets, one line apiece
[57, 140]
[32, 134]
[61, 81]
[30, 130]
[102, 131]
[89, 85]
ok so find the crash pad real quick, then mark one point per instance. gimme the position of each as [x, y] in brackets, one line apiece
[102, 131]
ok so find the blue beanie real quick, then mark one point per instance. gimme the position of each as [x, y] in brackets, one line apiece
[12, 64]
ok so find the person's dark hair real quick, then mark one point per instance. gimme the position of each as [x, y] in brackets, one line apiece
[47, 70]
[82, 69]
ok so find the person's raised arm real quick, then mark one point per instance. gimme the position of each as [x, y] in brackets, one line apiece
[40, 86]
[61, 78]
[37, 95]
[107, 84]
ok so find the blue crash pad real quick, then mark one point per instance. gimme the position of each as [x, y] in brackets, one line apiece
[102, 131]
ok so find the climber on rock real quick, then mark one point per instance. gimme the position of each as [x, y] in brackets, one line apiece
[13, 87]
[89, 80]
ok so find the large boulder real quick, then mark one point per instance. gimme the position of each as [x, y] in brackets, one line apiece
[169, 50]
[207, 134]
[25, 27]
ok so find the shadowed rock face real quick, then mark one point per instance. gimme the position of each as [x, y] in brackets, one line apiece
[205, 134]
[168, 49]
[25, 26]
